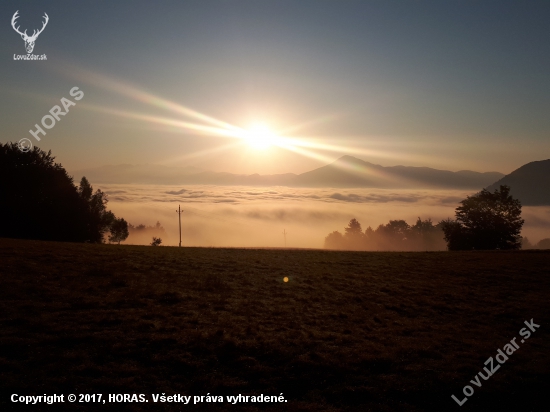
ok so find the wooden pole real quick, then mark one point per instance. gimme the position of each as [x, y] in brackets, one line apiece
[179, 212]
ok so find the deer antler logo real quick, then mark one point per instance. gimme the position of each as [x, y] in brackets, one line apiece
[29, 40]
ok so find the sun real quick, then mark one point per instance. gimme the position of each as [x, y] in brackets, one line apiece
[259, 136]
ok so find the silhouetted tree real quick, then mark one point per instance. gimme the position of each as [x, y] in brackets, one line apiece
[156, 241]
[119, 230]
[85, 190]
[369, 231]
[353, 237]
[334, 240]
[99, 218]
[397, 229]
[485, 221]
[392, 236]
[424, 235]
[353, 228]
[454, 234]
[38, 200]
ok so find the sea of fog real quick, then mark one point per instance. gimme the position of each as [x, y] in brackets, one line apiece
[238, 216]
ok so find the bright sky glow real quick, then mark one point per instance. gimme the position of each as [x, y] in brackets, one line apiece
[259, 136]
[448, 85]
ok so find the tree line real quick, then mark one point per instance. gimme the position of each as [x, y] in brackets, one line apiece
[39, 200]
[483, 221]
[142, 234]
[395, 235]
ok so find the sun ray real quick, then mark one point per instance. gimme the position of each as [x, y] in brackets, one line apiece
[323, 119]
[217, 131]
[282, 138]
[201, 153]
[122, 88]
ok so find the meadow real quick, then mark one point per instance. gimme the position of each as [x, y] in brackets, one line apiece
[348, 331]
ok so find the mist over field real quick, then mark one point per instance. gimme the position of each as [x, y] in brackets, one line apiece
[256, 217]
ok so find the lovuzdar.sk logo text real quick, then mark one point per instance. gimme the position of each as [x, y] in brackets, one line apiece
[29, 40]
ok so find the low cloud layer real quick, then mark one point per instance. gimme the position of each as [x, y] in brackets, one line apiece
[250, 217]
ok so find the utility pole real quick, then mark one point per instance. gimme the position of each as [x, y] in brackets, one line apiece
[179, 212]
[284, 234]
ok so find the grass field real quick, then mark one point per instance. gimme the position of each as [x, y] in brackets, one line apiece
[351, 331]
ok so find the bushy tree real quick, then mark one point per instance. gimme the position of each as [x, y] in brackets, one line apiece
[119, 230]
[156, 241]
[334, 240]
[393, 236]
[424, 235]
[454, 234]
[485, 221]
[99, 219]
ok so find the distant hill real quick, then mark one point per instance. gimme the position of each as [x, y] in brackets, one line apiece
[347, 171]
[530, 183]
[139, 174]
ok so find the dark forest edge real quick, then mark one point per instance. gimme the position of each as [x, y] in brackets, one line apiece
[483, 221]
[39, 200]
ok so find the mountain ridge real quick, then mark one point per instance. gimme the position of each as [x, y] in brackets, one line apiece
[529, 183]
[346, 171]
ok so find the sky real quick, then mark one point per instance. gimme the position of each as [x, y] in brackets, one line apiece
[282, 86]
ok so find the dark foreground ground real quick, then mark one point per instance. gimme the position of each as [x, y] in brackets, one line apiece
[349, 331]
